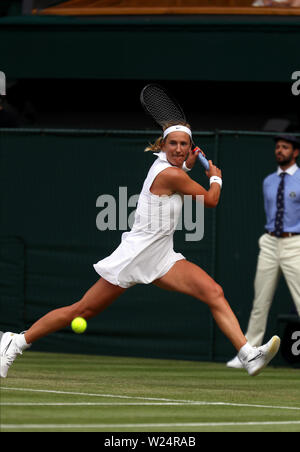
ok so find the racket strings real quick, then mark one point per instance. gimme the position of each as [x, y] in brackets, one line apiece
[164, 110]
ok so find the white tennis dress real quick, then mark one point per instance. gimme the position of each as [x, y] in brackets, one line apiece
[146, 252]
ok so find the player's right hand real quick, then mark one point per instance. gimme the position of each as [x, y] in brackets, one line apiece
[213, 170]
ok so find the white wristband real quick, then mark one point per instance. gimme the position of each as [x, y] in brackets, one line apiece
[216, 179]
[185, 168]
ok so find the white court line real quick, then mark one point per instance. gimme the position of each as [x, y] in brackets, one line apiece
[94, 404]
[56, 404]
[168, 425]
[111, 396]
[187, 402]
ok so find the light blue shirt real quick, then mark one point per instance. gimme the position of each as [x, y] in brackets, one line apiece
[291, 217]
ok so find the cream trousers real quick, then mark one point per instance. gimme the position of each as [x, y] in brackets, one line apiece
[276, 256]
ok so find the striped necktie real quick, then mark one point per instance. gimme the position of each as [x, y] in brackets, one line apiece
[280, 207]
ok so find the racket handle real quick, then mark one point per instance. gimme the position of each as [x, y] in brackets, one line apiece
[202, 158]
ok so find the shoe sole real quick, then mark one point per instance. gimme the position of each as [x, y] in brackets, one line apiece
[272, 352]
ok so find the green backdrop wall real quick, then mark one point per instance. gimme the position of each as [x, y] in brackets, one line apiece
[226, 48]
[50, 182]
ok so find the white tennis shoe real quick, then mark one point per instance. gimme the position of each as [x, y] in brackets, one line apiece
[235, 363]
[259, 357]
[9, 350]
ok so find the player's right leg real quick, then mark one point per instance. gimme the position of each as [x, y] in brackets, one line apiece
[96, 299]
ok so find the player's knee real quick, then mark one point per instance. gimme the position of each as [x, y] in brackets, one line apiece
[81, 309]
[216, 294]
[74, 310]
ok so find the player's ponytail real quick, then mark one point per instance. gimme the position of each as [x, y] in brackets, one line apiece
[156, 146]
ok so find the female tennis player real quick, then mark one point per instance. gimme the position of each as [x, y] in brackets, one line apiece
[146, 255]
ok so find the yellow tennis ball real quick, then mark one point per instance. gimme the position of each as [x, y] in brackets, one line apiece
[79, 325]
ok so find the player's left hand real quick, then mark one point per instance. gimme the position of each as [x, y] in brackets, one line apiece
[192, 157]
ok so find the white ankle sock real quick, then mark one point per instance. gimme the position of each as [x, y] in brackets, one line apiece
[245, 350]
[21, 342]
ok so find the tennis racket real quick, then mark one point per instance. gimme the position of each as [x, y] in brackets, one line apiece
[164, 109]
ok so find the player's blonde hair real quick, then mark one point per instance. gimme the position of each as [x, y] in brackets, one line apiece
[157, 145]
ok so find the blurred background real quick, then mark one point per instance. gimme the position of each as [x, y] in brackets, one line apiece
[72, 128]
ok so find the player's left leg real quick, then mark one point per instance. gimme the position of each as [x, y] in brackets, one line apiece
[190, 279]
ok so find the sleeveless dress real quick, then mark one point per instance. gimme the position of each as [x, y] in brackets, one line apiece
[146, 252]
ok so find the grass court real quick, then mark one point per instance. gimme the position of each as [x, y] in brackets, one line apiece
[47, 392]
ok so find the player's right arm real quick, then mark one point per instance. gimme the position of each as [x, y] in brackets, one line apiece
[179, 182]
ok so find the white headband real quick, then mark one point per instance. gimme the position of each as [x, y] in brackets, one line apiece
[178, 128]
